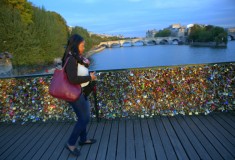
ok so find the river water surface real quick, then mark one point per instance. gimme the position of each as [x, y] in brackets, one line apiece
[160, 55]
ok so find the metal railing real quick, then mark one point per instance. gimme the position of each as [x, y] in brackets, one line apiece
[142, 92]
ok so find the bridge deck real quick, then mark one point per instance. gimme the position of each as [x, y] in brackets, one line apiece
[179, 137]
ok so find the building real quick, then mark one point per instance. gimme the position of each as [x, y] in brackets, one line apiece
[151, 33]
[177, 30]
[182, 31]
[231, 30]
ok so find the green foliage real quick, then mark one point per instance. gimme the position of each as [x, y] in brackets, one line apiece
[207, 34]
[24, 8]
[163, 33]
[84, 33]
[35, 36]
[91, 40]
[36, 43]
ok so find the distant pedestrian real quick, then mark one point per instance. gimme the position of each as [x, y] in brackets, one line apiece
[74, 51]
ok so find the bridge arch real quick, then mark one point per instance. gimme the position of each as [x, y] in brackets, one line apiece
[154, 42]
[115, 44]
[138, 41]
[175, 41]
[127, 43]
[164, 41]
[231, 37]
[103, 45]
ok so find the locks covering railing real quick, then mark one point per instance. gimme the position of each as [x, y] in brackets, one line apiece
[142, 92]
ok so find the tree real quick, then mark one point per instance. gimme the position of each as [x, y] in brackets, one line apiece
[36, 43]
[207, 34]
[84, 33]
[163, 33]
[24, 7]
[34, 36]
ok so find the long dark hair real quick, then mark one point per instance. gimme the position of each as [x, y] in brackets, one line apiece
[72, 47]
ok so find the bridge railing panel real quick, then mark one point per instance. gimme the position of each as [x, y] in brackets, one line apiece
[143, 92]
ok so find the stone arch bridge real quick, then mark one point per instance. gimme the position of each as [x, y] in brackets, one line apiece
[144, 41]
[231, 35]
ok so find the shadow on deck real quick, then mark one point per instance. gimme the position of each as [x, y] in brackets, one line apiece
[179, 137]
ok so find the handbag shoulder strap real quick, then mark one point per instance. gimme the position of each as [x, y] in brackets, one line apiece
[66, 62]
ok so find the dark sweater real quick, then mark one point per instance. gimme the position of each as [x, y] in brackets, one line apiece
[71, 70]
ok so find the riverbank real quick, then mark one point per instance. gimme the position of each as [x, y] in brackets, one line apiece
[208, 44]
[96, 50]
[51, 69]
[8, 70]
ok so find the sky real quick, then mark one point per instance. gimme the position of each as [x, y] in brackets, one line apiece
[133, 18]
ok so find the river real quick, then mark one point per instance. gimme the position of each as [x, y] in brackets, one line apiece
[160, 55]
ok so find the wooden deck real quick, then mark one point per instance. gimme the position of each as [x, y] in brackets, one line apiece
[179, 137]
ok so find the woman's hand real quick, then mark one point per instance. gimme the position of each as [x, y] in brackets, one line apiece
[93, 76]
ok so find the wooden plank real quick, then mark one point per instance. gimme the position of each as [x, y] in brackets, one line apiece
[201, 137]
[157, 132]
[231, 115]
[174, 139]
[13, 139]
[60, 151]
[51, 148]
[130, 144]
[104, 141]
[156, 140]
[29, 146]
[148, 143]
[4, 128]
[20, 148]
[191, 152]
[91, 133]
[121, 145]
[18, 141]
[64, 153]
[226, 144]
[36, 145]
[139, 144]
[72, 157]
[228, 119]
[112, 146]
[218, 146]
[42, 145]
[193, 139]
[224, 124]
[8, 130]
[12, 132]
[221, 129]
[94, 147]
[170, 153]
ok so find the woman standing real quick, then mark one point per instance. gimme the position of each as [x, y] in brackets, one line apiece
[73, 53]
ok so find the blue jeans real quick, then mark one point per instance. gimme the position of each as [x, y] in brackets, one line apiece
[82, 109]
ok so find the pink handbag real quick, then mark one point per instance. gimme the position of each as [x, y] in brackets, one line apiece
[61, 88]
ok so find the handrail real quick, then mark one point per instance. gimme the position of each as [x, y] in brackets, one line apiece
[114, 70]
